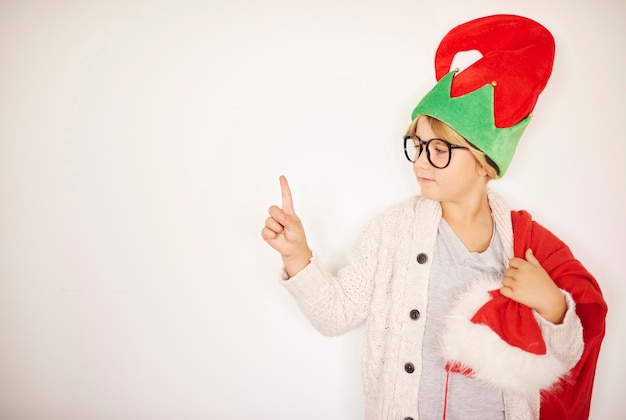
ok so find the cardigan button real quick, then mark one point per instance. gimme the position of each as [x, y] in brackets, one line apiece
[409, 368]
[414, 314]
[422, 258]
[408, 418]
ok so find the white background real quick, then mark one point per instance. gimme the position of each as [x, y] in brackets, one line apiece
[140, 147]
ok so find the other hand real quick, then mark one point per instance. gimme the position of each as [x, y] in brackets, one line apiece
[528, 283]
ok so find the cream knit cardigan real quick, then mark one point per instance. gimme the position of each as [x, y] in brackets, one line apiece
[382, 282]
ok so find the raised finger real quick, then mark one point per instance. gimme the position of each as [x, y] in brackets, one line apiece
[286, 196]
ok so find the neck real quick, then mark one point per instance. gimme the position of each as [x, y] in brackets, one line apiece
[471, 221]
[468, 212]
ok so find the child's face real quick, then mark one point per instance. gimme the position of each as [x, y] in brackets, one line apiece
[460, 180]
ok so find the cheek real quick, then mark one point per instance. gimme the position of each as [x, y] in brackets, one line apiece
[468, 165]
[463, 174]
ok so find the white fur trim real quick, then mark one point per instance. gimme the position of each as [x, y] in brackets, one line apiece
[492, 360]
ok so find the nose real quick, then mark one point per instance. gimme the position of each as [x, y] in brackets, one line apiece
[422, 160]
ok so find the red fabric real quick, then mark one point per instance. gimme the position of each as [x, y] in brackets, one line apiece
[513, 322]
[518, 54]
[571, 400]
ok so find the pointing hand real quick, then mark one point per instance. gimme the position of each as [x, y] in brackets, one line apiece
[284, 232]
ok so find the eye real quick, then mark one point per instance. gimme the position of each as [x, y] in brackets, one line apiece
[438, 147]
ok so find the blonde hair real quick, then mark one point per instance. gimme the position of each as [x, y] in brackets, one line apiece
[445, 132]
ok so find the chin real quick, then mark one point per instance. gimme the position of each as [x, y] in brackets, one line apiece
[429, 194]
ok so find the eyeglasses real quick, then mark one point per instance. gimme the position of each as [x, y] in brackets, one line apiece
[438, 151]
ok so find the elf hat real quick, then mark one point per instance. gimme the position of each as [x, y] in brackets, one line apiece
[490, 102]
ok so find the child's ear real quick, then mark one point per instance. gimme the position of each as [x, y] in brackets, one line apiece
[481, 170]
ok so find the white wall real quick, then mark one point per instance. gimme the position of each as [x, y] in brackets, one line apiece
[140, 146]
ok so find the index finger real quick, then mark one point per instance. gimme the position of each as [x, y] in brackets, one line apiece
[286, 196]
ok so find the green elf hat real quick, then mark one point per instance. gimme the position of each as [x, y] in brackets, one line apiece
[490, 102]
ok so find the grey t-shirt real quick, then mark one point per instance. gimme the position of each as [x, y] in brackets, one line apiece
[453, 267]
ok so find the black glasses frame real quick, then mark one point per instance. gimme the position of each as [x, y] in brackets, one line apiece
[415, 141]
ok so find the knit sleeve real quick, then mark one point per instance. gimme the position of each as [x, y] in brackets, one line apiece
[564, 340]
[335, 303]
